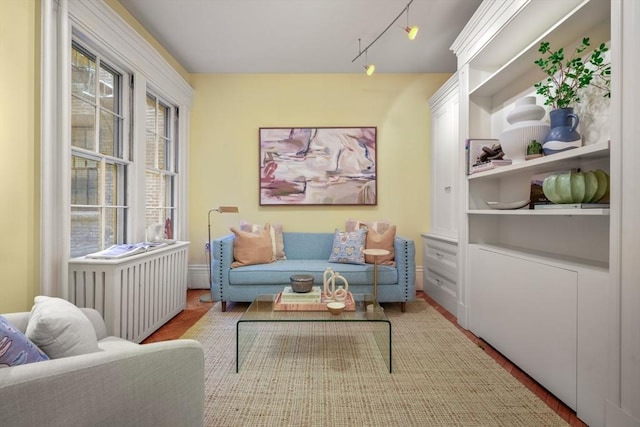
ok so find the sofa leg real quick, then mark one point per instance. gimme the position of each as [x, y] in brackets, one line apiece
[403, 306]
[223, 306]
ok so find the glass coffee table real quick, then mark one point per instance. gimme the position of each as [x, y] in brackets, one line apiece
[263, 309]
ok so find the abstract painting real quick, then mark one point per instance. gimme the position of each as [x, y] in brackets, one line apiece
[318, 166]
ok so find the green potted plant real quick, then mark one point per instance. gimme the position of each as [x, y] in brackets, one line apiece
[565, 76]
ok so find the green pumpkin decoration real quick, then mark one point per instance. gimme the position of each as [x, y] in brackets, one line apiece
[576, 187]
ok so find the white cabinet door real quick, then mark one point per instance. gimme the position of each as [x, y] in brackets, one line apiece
[444, 163]
[528, 311]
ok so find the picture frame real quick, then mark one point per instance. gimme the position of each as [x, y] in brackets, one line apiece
[318, 166]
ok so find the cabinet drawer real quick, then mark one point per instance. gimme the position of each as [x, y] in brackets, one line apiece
[441, 289]
[441, 257]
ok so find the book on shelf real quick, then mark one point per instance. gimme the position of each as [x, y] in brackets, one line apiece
[290, 296]
[491, 164]
[125, 250]
[571, 206]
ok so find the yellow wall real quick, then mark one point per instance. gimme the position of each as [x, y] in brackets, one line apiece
[224, 161]
[19, 145]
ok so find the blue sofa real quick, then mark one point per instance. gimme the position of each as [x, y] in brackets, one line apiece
[308, 253]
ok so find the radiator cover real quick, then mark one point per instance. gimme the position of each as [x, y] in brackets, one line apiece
[135, 295]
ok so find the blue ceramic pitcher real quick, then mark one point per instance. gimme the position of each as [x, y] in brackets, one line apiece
[563, 135]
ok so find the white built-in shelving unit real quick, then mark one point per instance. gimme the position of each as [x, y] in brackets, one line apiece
[547, 287]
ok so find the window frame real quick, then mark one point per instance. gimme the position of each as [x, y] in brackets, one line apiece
[98, 27]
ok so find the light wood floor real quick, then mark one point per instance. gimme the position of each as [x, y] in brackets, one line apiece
[196, 309]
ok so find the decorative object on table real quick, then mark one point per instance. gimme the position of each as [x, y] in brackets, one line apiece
[329, 290]
[221, 209]
[576, 187]
[534, 150]
[301, 283]
[565, 76]
[484, 154]
[526, 125]
[335, 307]
[318, 166]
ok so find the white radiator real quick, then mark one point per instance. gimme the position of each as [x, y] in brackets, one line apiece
[135, 295]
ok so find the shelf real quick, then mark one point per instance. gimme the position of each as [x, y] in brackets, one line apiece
[554, 162]
[541, 212]
[575, 25]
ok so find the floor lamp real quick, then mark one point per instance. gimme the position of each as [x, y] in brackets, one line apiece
[221, 209]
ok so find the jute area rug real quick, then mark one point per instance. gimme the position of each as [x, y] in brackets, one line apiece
[332, 374]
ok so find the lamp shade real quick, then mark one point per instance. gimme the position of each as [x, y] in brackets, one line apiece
[412, 32]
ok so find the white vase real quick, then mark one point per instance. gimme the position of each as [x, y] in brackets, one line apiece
[526, 126]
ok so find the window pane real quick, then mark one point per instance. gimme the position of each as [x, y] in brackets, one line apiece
[151, 114]
[85, 181]
[151, 150]
[163, 112]
[168, 192]
[83, 73]
[83, 122]
[109, 132]
[107, 89]
[111, 217]
[114, 185]
[85, 231]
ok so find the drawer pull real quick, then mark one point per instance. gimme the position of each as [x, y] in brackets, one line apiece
[439, 255]
[447, 189]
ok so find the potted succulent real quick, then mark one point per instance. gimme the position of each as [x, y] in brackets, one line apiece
[565, 76]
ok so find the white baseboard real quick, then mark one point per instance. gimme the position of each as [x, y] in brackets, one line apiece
[198, 277]
[419, 286]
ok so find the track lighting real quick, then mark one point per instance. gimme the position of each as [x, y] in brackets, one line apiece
[412, 31]
[370, 69]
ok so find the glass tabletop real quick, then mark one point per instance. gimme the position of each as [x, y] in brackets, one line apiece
[264, 308]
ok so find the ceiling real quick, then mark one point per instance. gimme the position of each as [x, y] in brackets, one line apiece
[304, 36]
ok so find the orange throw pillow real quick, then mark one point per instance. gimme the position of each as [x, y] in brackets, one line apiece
[385, 240]
[252, 248]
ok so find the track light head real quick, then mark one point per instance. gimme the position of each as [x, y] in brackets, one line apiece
[412, 32]
[370, 69]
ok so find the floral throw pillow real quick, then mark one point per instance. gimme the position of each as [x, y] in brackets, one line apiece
[16, 348]
[348, 246]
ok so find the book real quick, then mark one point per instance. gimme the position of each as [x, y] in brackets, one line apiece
[125, 250]
[491, 164]
[572, 206]
[313, 296]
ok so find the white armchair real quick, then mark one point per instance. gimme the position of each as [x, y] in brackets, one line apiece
[125, 384]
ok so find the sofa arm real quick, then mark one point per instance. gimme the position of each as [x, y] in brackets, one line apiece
[221, 259]
[405, 257]
[159, 384]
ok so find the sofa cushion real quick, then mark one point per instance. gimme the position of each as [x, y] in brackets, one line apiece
[348, 246]
[60, 328]
[385, 241]
[277, 241]
[252, 248]
[280, 271]
[16, 348]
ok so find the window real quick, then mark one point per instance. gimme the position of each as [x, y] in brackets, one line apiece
[93, 127]
[161, 165]
[99, 156]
